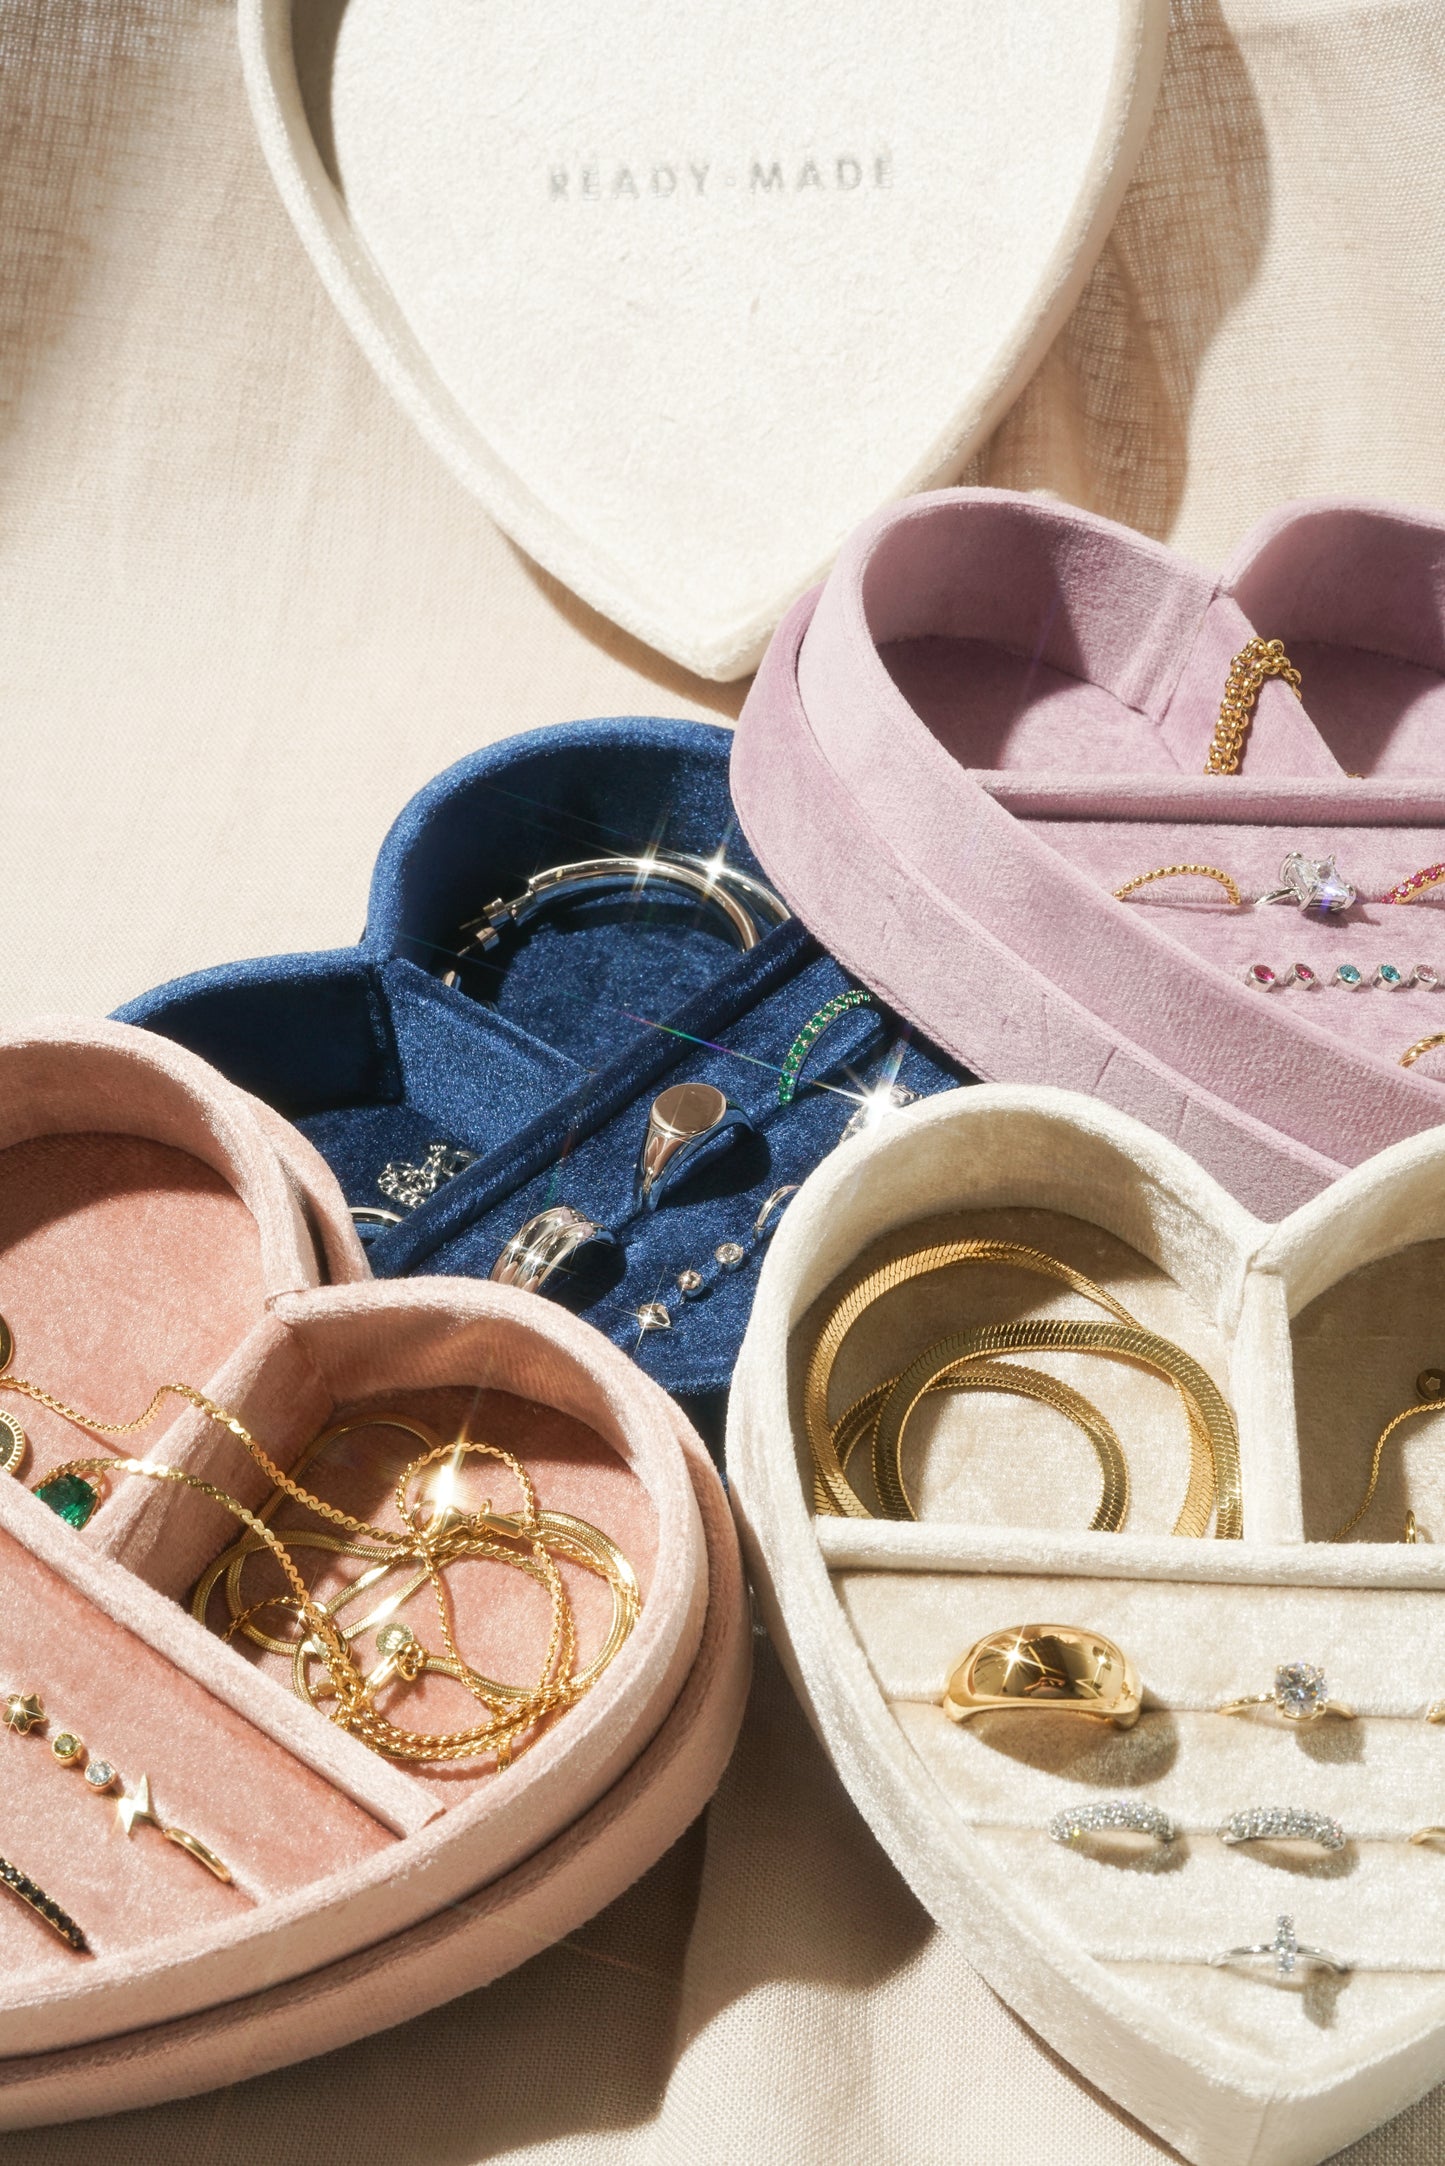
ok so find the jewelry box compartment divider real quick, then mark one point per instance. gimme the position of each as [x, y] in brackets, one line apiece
[543, 1067]
[1110, 1952]
[253, 1772]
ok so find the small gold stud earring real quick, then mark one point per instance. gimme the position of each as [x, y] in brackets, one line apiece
[24, 1711]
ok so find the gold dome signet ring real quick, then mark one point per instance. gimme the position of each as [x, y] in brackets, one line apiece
[1062, 1669]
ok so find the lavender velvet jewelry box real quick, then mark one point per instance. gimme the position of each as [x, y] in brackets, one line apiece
[155, 1223]
[544, 1059]
[998, 709]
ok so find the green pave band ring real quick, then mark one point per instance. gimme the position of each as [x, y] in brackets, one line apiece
[809, 1035]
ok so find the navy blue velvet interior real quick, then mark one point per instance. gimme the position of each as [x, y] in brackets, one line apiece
[545, 1059]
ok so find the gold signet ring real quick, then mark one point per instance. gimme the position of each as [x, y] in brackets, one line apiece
[1060, 1668]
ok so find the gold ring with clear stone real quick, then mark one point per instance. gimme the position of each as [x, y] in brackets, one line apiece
[1298, 1696]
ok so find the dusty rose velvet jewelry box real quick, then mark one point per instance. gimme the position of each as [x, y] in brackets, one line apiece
[998, 709]
[155, 1223]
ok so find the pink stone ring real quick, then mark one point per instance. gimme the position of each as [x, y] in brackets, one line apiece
[1427, 876]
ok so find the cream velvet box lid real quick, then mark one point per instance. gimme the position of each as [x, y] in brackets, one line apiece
[1314, 1331]
[683, 294]
[158, 1225]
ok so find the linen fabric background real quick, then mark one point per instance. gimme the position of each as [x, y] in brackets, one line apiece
[246, 613]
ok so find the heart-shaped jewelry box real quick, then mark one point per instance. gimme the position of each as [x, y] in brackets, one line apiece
[543, 1060]
[998, 711]
[1314, 1331]
[161, 1227]
[684, 301]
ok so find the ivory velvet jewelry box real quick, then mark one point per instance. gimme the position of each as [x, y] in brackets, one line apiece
[203, 1875]
[1261, 1975]
[999, 711]
[538, 1067]
[683, 303]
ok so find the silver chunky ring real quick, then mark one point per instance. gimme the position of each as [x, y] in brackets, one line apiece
[542, 1246]
[1284, 1950]
[1283, 1824]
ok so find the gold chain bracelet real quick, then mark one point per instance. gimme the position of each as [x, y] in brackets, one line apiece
[1258, 659]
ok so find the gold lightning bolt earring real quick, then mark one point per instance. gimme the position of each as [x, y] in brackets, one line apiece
[134, 1809]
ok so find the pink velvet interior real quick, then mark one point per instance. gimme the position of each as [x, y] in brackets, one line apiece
[1357, 594]
[501, 1619]
[598, 1446]
[122, 1261]
[1196, 915]
[270, 1817]
[1027, 643]
[167, 1241]
[467, 1942]
[1025, 640]
[1033, 641]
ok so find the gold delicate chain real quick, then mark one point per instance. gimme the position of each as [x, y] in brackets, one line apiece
[226, 1420]
[1258, 659]
[575, 1539]
[997, 1376]
[1431, 1405]
[1214, 1480]
[356, 1711]
[432, 1547]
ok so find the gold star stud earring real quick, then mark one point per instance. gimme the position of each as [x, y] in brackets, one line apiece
[23, 1712]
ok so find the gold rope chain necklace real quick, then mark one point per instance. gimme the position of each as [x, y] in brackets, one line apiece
[433, 1546]
[1256, 660]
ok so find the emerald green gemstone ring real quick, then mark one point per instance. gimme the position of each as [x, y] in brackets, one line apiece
[809, 1035]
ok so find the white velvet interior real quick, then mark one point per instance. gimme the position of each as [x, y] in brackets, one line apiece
[1336, 1308]
[850, 250]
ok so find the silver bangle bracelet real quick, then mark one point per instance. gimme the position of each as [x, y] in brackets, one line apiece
[719, 888]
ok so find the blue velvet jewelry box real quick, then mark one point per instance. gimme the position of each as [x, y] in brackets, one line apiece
[542, 1061]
